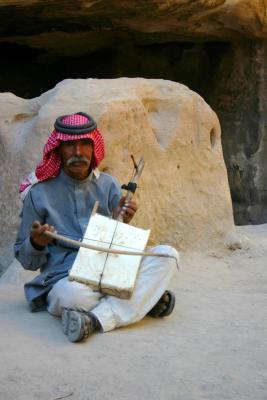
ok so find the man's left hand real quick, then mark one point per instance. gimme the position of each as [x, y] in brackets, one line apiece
[126, 210]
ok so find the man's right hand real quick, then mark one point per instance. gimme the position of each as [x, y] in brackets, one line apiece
[37, 236]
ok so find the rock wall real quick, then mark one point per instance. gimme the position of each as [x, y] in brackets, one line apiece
[222, 19]
[240, 98]
[183, 196]
[215, 47]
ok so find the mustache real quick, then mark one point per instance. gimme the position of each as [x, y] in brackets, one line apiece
[75, 159]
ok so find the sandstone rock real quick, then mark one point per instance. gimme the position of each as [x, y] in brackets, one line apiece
[233, 242]
[222, 19]
[183, 196]
[240, 100]
[216, 47]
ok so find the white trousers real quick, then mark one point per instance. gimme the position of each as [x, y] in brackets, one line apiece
[112, 312]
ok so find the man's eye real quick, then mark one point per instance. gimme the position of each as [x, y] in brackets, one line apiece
[86, 142]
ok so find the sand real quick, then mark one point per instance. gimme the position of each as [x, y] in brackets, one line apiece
[213, 346]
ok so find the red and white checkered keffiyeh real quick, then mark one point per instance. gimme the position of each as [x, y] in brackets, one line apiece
[50, 165]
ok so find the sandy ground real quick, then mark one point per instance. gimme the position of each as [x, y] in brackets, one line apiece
[213, 346]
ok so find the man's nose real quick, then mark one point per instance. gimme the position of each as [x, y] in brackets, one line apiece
[78, 149]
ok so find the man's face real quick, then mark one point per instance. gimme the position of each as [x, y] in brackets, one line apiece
[76, 157]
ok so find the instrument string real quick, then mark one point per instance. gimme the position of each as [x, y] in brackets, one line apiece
[109, 244]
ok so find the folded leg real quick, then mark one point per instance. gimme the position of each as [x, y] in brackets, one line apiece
[72, 295]
[153, 279]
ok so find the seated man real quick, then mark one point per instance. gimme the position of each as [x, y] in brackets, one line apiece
[61, 193]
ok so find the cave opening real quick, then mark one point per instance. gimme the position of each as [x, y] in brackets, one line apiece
[217, 70]
[28, 72]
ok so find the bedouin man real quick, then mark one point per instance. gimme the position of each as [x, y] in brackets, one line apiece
[60, 195]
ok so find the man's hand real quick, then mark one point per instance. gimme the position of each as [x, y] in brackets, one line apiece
[126, 210]
[38, 239]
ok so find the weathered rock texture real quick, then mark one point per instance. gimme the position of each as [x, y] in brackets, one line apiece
[183, 196]
[216, 47]
[213, 18]
[240, 99]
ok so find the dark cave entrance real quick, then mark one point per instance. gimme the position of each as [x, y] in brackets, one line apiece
[29, 72]
[218, 71]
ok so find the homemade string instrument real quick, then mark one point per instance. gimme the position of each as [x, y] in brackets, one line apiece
[110, 253]
[113, 274]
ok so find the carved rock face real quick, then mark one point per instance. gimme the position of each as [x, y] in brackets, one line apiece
[215, 47]
[183, 196]
[222, 19]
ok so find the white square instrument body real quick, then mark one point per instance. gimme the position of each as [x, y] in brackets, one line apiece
[113, 274]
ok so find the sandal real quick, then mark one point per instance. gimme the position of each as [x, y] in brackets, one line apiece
[77, 325]
[164, 306]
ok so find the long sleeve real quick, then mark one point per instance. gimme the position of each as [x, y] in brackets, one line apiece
[26, 254]
[66, 204]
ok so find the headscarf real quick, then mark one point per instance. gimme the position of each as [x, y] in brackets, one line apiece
[67, 127]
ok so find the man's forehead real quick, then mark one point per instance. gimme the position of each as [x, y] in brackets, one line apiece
[78, 140]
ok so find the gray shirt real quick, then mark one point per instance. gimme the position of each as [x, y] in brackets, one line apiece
[66, 204]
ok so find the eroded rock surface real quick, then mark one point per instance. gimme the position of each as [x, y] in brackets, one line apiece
[200, 18]
[216, 47]
[240, 99]
[183, 196]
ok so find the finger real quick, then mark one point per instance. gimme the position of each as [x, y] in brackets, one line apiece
[47, 228]
[41, 229]
[122, 201]
[51, 228]
[44, 228]
[130, 210]
[36, 225]
[131, 204]
[127, 218]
